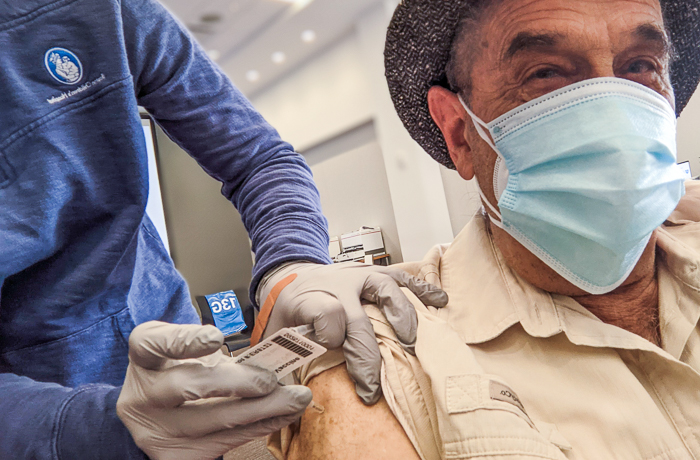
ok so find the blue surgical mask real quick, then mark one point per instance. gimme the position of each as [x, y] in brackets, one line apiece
[584, 175]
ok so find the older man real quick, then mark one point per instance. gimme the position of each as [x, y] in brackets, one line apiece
[572, 327]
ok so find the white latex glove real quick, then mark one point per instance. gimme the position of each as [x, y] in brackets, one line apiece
[183, 399]
[329, 297]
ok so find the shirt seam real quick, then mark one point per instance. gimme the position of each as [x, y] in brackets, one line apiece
[28, 17]
[148, 232]
[695, 437]
[665, 406]
[504, 451]
[62, 414]
[501, 272]
[69, 336]
[673, 272]
[665, 455]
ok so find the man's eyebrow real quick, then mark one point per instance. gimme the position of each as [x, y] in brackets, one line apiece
[527, 40]
[653, 33]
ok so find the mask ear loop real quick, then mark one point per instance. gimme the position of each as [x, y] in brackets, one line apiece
[495, 222]
[482, 128]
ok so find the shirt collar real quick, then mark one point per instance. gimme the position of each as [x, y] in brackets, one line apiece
[487, 297]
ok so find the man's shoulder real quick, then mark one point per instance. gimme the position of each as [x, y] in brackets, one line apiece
[688, 209]
[680, 234]
[427, 269]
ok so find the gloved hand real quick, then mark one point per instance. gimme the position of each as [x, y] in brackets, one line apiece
[329, 297]
[184, 399]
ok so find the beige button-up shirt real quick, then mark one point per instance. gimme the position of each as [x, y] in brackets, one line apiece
[508, 371]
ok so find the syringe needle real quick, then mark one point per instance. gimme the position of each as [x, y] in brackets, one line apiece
[317, 407]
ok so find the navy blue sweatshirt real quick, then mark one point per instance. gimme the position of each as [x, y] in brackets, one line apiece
[80, 262]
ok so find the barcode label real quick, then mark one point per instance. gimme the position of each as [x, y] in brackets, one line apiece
[282, 353]
[303, 352]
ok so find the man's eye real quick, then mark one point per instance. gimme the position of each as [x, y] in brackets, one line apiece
[543, 74]
[640, 66]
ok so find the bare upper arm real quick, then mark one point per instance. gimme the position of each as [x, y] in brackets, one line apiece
[347, 429]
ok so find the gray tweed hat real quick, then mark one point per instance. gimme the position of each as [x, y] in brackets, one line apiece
[419, 41]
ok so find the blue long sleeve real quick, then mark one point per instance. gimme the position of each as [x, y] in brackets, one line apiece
[80, 265]
[58, 423]
[200, 109]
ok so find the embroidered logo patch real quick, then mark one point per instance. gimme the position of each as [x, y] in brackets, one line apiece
[64, 66]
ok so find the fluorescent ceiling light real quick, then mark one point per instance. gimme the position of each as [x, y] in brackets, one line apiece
[252, 76]
[301, 4]
[278, 57]
[308, 36]
[298, 4]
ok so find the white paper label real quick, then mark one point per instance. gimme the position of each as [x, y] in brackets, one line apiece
[282, 353]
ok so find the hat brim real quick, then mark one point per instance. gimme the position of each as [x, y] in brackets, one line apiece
[419, 41]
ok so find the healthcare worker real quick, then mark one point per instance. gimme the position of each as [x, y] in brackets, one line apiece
[81, 264]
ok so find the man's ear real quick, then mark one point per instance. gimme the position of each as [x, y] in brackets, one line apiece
[449, 115]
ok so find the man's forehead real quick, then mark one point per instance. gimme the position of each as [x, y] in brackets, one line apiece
[520, 24]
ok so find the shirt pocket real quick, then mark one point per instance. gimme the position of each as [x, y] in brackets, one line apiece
[485, 419]
[97, 354]
[478, 391]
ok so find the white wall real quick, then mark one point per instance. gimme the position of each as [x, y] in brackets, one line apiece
[340, 89]
[326, 97]
[689, 134]
[208, 241]
[351, 178]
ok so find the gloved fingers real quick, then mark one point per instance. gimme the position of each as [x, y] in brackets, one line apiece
[318, 308]
[362, 356]
[325, 312]
[399, 311]
[202, 418]
[191, 381]
[234, 437]
[427, 293]
[151, 344]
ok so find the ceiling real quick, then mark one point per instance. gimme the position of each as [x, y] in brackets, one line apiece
[242, 35]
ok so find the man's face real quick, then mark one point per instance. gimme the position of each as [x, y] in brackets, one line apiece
[527, 48]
